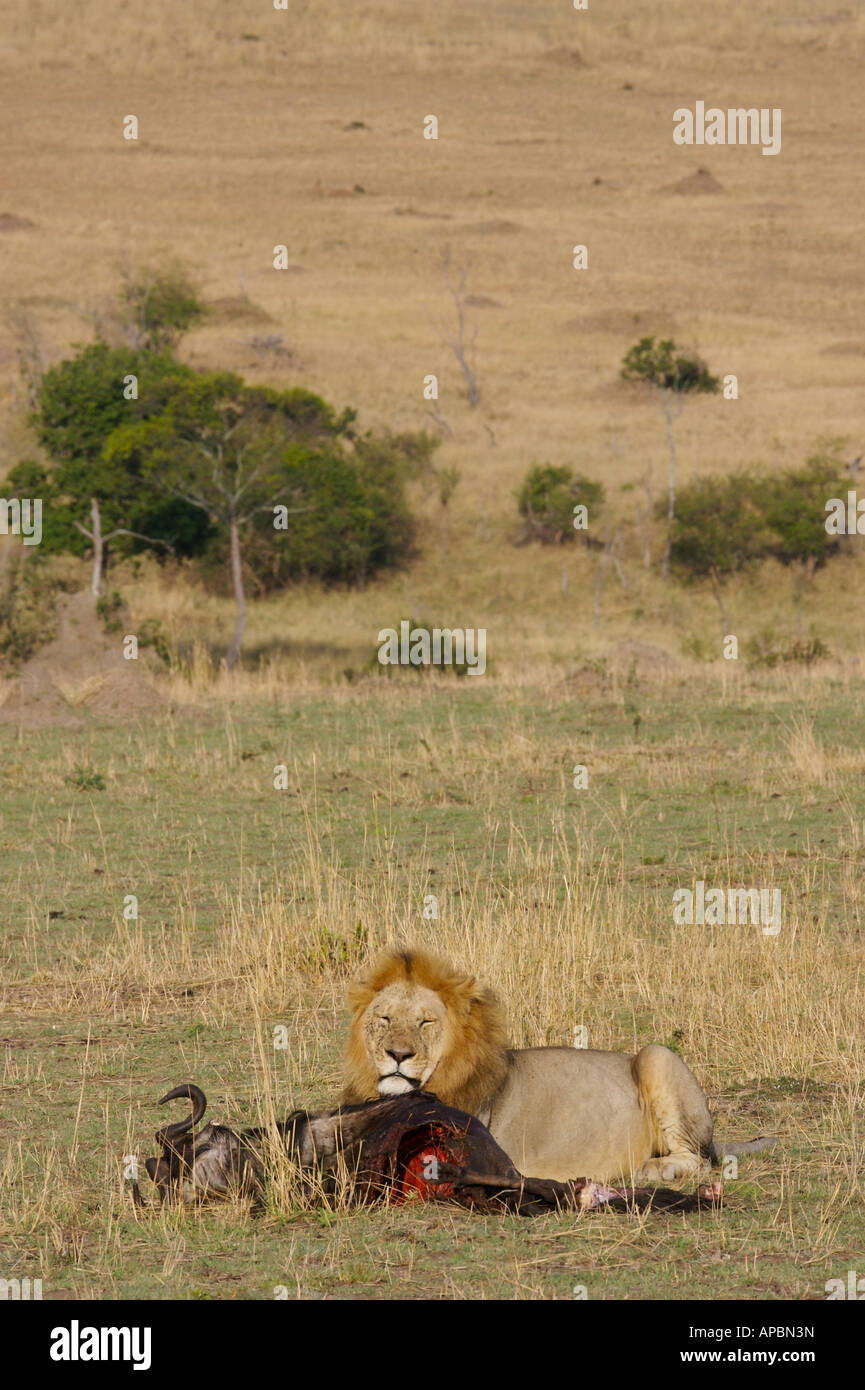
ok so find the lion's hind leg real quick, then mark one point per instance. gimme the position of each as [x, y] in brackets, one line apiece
[673, 1099]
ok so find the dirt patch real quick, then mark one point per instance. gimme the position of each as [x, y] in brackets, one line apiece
[235, 309]
[496, 227]
[10, 222]
[355, 191]
[418, 212]
[80, 673]
[774, 209]
[565, 57]
[643, 656]
[695, 185]
[589, 680]
[843, 350]
[482, 301]
[625, 322]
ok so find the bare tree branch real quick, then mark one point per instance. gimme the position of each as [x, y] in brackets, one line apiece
[152, 540]
[463, 348]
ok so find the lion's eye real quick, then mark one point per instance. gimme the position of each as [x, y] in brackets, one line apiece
[383, 1018]
[426, 1021]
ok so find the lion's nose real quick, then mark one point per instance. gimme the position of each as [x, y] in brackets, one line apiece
[399, 1057]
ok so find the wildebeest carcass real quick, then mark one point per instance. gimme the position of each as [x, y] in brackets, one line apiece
[214, 1162]
[387, 1150]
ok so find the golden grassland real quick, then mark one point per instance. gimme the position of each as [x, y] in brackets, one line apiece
[255, 906]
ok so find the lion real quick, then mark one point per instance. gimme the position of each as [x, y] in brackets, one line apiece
[558, 1112]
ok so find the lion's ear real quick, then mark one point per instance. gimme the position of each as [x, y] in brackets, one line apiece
[358, 996]
[467, 994]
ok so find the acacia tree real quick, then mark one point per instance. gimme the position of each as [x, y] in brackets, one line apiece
[94, 500]
[672, 376]
[718, 531]
[228, 449]
[794, 507]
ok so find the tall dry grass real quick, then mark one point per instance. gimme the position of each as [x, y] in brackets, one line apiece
[563, 940]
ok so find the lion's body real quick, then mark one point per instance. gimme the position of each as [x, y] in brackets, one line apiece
[600, 1114]
[558, 1112]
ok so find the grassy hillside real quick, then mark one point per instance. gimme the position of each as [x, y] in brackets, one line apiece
[257, 127]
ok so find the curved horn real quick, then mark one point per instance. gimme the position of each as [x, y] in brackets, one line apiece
[188, 1091]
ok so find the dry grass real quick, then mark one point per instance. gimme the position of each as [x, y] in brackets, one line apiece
[561, 900]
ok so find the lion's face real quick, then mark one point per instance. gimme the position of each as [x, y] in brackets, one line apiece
[419, 1024]
[406, 1031]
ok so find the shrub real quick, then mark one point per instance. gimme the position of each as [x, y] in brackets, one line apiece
[546, 501]
[718, 531]
[349, 518]
[794, 506]
[157, 309]
[719, 527]
[725, 524]
[769, 650]
[152, 634]
[374, 667]
[86, 779]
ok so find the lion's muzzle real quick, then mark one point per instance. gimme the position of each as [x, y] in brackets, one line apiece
[396, 1084]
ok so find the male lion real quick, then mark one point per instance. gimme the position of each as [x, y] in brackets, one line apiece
[558, 1112]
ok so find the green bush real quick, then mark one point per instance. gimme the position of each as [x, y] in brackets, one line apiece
[725, 524]
[81, 405]
[546, 501]
[348, 521]
[159, 308]
[661, 364]
[152, 634]
[794, 506]
[86, 779]
[768, 650]
[373, 667]
[719, 527]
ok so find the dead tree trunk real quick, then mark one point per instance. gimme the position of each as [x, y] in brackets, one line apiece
[644, 517]
[716, 593]
[239, 592]
[671, 508]
[99, 549]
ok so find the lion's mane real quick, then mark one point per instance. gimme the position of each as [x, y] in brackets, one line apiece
[474, 1066]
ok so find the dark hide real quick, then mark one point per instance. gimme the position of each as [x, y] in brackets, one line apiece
[389, 1149]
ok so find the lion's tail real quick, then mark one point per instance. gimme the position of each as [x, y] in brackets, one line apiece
[729, 1148]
